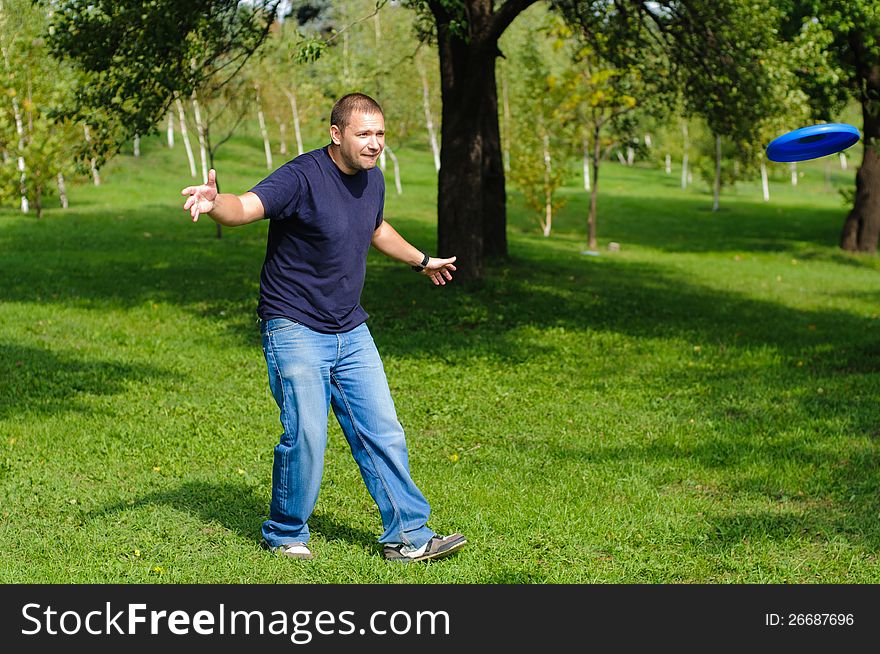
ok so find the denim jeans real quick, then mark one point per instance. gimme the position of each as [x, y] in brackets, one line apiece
[308, 373]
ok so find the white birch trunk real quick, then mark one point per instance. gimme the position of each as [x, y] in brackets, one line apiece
[169, 130]
[586, 165]
[203, 141]
[96, 177]
[648, 141]
[621, 158]
[432, 133]
[62, 191]
[668, 164]
[137, 145]
[843, 161]
[397, 183]
[765, 182]
[22, 169]
[19, 129]
[282, 149]
[547, 223]
[291, 96]
[267, 148]
[630, 155]
[184, 134]
[794, 173]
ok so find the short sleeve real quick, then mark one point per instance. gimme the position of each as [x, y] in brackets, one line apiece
[280, 192]
[380, 214]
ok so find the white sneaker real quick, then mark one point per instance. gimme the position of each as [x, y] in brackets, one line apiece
[437, 547]
[295, 550]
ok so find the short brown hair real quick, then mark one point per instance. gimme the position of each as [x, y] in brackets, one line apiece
[348, 104]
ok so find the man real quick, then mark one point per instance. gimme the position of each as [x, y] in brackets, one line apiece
[326, 209]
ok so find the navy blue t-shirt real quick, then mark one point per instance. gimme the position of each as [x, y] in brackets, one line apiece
[322, 223]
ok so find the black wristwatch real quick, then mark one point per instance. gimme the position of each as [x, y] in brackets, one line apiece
[422, 265]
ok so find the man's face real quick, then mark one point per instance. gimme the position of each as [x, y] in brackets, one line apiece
[361, 143]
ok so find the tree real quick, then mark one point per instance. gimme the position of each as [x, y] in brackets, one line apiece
[38, 146]
[719, 53]
[538, 92]
[471, 204]
[136, 54]
[842, 37]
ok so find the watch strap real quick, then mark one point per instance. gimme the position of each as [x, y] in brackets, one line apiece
[422, 265]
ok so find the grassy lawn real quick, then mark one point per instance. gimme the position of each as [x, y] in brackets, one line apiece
[699, 406]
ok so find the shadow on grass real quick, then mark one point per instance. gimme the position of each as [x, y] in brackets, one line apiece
[238, 507]
[34, 380]
[113, 263]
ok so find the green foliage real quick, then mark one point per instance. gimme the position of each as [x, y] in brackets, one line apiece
[541, 127]
[716, 54]
[841, 39]
[450, 15]
[38, 86]
[135, 54]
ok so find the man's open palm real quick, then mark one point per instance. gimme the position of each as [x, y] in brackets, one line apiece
[201, 198]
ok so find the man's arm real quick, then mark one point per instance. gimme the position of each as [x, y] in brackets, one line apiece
[391, 244]
[224, 208]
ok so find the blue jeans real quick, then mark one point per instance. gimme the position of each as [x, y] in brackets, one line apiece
[308, 373]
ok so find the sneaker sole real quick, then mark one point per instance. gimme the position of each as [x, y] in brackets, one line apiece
[436, 555]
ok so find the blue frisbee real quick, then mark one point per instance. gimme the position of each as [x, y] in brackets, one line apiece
[812, 142]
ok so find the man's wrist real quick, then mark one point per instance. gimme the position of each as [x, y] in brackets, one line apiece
[420, 267]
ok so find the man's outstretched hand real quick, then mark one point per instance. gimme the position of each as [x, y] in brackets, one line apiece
[439, 270]
[201, 198]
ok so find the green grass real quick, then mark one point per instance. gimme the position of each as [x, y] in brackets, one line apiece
[700, 406]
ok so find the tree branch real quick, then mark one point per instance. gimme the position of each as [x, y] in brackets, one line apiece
[502, 19]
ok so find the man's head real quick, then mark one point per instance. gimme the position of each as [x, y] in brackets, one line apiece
[357, 132]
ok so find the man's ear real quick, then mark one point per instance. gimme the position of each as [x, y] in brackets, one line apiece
[335, 134]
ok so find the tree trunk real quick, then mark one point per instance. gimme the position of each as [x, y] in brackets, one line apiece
[22, 169]
[429, 121]
[200, 130]
[137, 145]
[267, 147]
[62, 191]
[765, 183]
[96, 177]
[862, 227]
[291, 96]
[494, 191]
[219, 227]
[181, 115]
[169, 130]
[471, 201]
[794, 173]
[547, 224]
[586, 164]
[397, 183]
